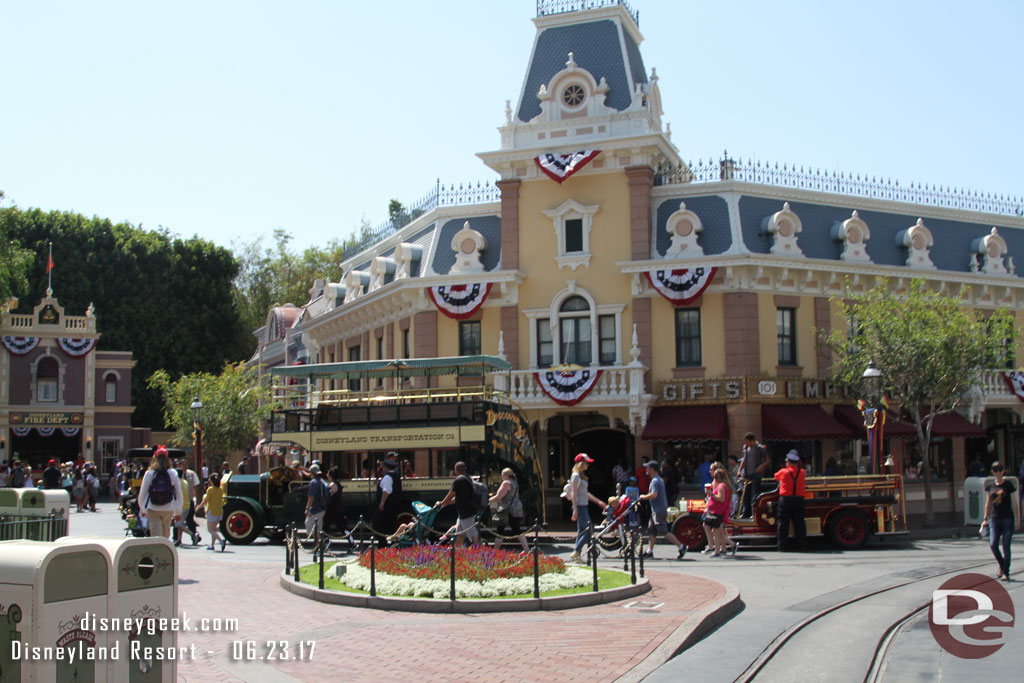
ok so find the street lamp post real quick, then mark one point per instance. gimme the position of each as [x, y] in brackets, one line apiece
[197, 425]
[873, 411]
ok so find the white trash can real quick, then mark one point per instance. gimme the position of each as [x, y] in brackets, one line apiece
[47, 591]
[10, 515]
[974, 499]
[40, 504]
[143, 585]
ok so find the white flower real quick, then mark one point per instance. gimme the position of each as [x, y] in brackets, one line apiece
[356, 576]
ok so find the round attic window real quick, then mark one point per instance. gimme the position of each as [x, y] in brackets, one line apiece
[573, 95]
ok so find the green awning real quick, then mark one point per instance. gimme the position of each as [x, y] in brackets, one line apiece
[404, 367]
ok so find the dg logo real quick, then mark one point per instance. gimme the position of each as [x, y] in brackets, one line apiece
[971, 616]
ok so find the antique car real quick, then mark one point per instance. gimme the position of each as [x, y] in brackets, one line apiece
[847, 510]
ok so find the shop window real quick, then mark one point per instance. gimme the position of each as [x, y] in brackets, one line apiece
[545, 346]
[47, 374]
[688, 337]
[785, 323]
[576, 336]
[607, 342]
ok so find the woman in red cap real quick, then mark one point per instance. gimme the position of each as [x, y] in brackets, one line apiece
[580, 497]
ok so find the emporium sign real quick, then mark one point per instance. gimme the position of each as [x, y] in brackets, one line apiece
[748, 390]
[404, 438]
[47, 419]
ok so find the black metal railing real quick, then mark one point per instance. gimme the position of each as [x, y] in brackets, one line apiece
[20, 527]
[547, 7]
[441, 195]
[786, 175]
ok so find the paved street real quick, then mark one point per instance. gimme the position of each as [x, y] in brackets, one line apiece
[597, 643]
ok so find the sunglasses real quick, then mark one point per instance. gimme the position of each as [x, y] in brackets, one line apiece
[997, 469]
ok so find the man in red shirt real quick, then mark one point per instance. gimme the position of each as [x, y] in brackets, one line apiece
[792, 489]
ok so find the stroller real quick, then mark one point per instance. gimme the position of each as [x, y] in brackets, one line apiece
[611, 536]
[132, 518]
[415, 532]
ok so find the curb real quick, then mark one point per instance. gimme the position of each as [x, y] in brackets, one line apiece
[434, 606]
[696, 626]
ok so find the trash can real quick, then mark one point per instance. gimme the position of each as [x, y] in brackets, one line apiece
[974, 499]
[47, 596]
[39, 504]
[10, 515]
[142, 585]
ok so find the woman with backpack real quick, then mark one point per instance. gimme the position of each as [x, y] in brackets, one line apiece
[160, 495]
[508, 509]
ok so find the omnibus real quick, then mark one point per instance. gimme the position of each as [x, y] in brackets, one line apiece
[351, 415]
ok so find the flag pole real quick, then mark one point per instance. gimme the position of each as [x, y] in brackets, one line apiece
[49, 272]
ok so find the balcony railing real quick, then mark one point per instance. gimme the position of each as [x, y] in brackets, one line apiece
[766, 173]
[614, 386]
[546, 7]
[995, 389]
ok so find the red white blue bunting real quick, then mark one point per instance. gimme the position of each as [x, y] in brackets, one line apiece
[681, 286]
[70, 431]
[1015, 380]
[21, 431]
[19, 346]
[459, 301]
[76, 348]
[567, 387]
[45, 431]
[560, 166]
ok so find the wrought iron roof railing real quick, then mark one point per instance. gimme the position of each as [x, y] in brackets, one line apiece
[546, 7]
[838, 182]
[441, 195]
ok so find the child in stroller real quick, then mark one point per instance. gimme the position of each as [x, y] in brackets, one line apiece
[135, 525]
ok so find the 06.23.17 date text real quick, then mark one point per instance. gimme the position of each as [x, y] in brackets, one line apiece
[271, 650]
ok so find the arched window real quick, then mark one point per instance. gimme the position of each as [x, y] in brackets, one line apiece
[47, 373]
[110, 385]
[575, 331]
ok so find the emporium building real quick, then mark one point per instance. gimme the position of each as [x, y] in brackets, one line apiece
[653, 308]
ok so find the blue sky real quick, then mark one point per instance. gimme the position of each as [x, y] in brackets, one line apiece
[230, 119]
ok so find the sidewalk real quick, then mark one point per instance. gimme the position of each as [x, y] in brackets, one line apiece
[606, 642]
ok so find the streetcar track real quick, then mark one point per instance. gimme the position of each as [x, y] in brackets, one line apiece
[878, 659]
[781, 640]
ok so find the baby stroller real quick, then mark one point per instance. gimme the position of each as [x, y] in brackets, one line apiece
[417, 531]
[132, 518]
[611, 536]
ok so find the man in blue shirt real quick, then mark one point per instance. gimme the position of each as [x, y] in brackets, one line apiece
[659, 511]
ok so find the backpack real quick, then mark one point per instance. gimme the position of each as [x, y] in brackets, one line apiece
[480, 494]
[161, 489]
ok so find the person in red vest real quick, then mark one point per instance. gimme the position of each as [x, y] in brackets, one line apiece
[792, 489]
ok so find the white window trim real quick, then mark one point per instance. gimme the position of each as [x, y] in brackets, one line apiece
[61, 369]
[569, 210]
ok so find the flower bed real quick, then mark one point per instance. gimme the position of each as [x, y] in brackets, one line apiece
[424, 571]
[477, 563]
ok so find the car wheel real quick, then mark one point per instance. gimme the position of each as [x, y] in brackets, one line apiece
[690, 532]
[848, 529]
[240, 526]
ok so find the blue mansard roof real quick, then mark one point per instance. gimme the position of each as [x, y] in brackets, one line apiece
[597, 46]
[952, 250]
[488, 226]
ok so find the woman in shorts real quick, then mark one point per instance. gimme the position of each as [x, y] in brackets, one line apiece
[717, 514]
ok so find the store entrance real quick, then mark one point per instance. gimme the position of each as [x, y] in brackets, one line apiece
[40, 445]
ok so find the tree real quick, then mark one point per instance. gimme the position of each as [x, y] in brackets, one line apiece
[235, 403]
[930, 349]
[14, 264]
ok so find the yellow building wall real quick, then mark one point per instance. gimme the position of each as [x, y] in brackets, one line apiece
[806, 336]
[663, 334]
[609, 243]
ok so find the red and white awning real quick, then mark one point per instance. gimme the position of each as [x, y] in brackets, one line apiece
[681, 286]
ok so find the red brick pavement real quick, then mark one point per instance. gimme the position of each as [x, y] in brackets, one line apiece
[599, 643]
